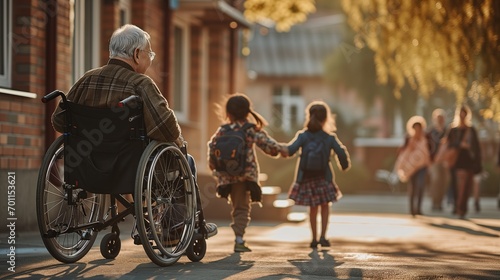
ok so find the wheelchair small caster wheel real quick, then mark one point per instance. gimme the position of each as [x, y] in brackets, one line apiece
[197, 249]
[110, 245]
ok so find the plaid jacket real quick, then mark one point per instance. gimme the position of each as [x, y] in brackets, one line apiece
[106, 86]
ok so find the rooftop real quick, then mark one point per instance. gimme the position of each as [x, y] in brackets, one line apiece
[299, 52]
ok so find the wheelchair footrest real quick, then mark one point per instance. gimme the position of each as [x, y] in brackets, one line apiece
[137, 239]
[86, 234]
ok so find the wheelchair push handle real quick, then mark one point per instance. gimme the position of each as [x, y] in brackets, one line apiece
[53, 95]
[130, 101]
[183, 148]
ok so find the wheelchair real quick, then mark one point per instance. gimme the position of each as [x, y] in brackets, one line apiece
[103, 155]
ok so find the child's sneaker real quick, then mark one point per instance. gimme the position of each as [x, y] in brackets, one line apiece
[324, 242]
[314, 244]
[241, 247]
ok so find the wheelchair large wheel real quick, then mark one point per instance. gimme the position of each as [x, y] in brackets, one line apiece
[61, 225]
[165, 203]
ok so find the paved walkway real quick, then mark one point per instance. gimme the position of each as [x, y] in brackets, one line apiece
[372, 237]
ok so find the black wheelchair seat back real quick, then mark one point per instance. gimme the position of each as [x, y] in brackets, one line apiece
[103, 147]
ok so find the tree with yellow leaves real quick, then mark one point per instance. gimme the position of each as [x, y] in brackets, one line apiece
[432, 44]
[427, 44]
[281, 13]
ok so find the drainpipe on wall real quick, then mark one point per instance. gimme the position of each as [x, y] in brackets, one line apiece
[50, 70]
[233, 56]
[167, 23]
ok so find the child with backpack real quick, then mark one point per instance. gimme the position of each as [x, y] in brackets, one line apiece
[234, 163]
[314, 185]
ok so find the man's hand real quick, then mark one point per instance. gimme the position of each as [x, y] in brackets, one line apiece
[180, 142]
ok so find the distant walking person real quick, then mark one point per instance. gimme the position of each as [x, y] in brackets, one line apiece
[413, 161]
[439, 174]
[476, 189]
[238, 178]
[314, 184]
[463, 137]
[498, 158]
[498, 165]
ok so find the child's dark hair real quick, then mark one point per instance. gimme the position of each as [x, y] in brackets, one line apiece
[318, 114]
[238, 106]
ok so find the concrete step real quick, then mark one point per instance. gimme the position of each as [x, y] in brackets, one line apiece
[297, 217]
[273, 208]
[277, 211]
[270, 194]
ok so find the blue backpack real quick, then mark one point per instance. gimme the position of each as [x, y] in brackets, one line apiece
[315, 154]
[230, 150]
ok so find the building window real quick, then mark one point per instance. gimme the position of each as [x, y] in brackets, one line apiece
[86, 53]
[5, 41]
[180, 91]
[125, 11]
[288, 108]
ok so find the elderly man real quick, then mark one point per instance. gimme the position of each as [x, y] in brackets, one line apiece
[130, 56]
[439, 174]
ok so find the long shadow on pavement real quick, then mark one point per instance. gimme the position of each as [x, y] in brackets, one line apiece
[61, 270]
[225, 267]
[489, 226]
[466, 229]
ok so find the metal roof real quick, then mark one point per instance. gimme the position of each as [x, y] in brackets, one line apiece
[298, 52]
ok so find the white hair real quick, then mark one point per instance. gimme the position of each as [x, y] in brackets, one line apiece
[126, 39]
[436, 114]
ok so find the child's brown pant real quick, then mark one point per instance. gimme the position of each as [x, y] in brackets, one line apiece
[240, 201]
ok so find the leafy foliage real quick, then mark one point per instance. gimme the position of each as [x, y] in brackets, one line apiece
[431, 44]
[282, 13]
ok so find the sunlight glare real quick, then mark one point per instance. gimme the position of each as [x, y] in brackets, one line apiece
[371, 228]
[360, 256]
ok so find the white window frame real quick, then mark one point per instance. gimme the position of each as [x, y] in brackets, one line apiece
[126, 9]
[287, 102]
[6, 55]
[80, 52]
[181, 108]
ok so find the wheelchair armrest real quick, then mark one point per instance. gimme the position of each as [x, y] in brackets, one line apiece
[131, 101]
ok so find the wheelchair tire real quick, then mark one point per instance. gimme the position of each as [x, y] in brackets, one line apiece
[56, 218]
[110, 245]
[166, 216]
[197, 249]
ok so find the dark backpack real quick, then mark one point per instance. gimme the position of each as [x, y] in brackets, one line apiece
[230, 150]
[315, 154]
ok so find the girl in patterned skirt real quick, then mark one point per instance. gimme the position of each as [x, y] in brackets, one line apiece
[317, 188]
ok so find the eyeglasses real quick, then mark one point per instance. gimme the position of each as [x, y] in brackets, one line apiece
[151, 54]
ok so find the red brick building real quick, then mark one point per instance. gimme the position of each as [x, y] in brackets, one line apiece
[48, 44]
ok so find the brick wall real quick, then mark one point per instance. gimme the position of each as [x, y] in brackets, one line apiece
[22, 119]
[64, 64]
[21, 136]
[110, 20]
[218, 70]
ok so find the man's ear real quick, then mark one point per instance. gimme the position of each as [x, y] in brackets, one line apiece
[136, 56]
